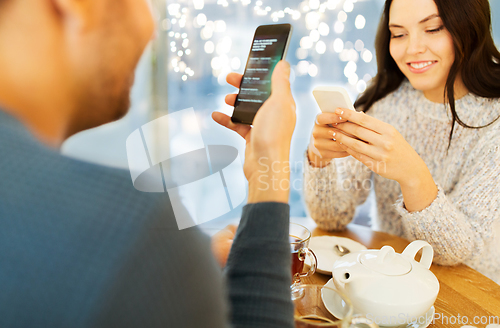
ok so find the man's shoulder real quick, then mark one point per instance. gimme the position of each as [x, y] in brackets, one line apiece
[70, 227]
[34, 174]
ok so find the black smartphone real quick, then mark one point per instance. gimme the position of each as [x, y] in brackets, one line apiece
[269, 46]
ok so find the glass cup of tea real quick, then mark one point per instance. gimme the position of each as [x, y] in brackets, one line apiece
[299, 242]
[325, 306]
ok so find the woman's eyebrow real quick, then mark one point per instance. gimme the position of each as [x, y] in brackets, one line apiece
[421, 22]
[428, 18]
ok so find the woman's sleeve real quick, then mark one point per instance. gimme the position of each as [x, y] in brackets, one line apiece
[459, 224]
[332, 193]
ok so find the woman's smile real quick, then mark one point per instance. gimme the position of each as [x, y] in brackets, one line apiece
[419, 67]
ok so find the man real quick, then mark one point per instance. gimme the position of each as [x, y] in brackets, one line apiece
[79, 246]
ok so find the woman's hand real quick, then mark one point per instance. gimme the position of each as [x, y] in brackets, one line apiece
[323, 147]
[222, 242]
[384, 151]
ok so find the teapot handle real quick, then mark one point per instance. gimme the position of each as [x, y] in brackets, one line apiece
[427, 252]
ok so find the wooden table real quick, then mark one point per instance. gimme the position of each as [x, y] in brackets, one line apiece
[464, 293]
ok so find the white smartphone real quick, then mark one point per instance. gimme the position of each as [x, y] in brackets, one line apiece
[331, 98]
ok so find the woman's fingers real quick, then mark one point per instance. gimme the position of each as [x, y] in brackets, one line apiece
[328, 118]
[225, 121]
[234, 79]
[326, 145]
[357, 145]
[361, 119]
[323, 132]
[328, 149]
[366, 160]
[360, 132]
[335, 154]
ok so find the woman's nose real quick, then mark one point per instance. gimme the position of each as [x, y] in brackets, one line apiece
[416, 45]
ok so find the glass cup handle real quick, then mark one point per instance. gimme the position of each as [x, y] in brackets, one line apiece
[303, 253]
[358, 320]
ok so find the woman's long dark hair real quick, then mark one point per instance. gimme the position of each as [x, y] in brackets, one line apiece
[477, 60]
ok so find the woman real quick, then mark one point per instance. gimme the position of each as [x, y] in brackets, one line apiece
[430, 134]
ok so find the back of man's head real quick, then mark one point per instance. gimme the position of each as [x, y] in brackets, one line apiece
[68, 65]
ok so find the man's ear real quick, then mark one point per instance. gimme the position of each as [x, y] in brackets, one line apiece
[77, 14]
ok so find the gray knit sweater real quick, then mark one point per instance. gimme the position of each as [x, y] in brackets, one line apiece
[463, 222]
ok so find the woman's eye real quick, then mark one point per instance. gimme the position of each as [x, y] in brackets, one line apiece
[436, 29]
[396, 36]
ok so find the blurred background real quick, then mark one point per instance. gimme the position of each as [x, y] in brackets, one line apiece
[200, 41]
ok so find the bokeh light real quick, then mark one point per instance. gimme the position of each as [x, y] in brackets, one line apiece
[338, 27]
[319, 17]
[338, 45]
[323, 29]
[360, 22]
[342, 16]
[367, 55]
[348, 6]
[312, 70]
[320, 47]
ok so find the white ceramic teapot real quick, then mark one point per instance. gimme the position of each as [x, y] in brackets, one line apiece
[388, 287]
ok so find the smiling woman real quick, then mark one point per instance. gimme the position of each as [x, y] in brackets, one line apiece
[429, 139]
[456, 33]
[408, 49]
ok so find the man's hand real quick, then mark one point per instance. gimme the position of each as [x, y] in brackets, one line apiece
[222, 242]
[268, 141]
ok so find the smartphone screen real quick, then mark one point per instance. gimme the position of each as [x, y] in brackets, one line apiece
[269, 46]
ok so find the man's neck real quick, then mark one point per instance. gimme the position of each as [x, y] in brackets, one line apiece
[33, 79]
[42, 118]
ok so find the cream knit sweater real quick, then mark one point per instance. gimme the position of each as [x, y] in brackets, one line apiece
[463, 222]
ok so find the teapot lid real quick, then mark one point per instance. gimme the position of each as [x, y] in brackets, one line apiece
[386, 261]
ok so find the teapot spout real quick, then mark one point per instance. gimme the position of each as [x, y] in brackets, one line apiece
[343, 275]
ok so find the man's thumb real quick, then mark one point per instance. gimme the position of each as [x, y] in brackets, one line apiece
[280, 81]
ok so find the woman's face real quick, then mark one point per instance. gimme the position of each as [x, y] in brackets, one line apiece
[421, 46]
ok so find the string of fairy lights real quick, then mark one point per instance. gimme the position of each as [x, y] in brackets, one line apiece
[187, 19]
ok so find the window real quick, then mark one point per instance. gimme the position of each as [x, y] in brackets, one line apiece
[332, 44]
[200, 41]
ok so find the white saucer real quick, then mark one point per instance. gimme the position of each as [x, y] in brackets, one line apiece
[322, 246]
[334, 304]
